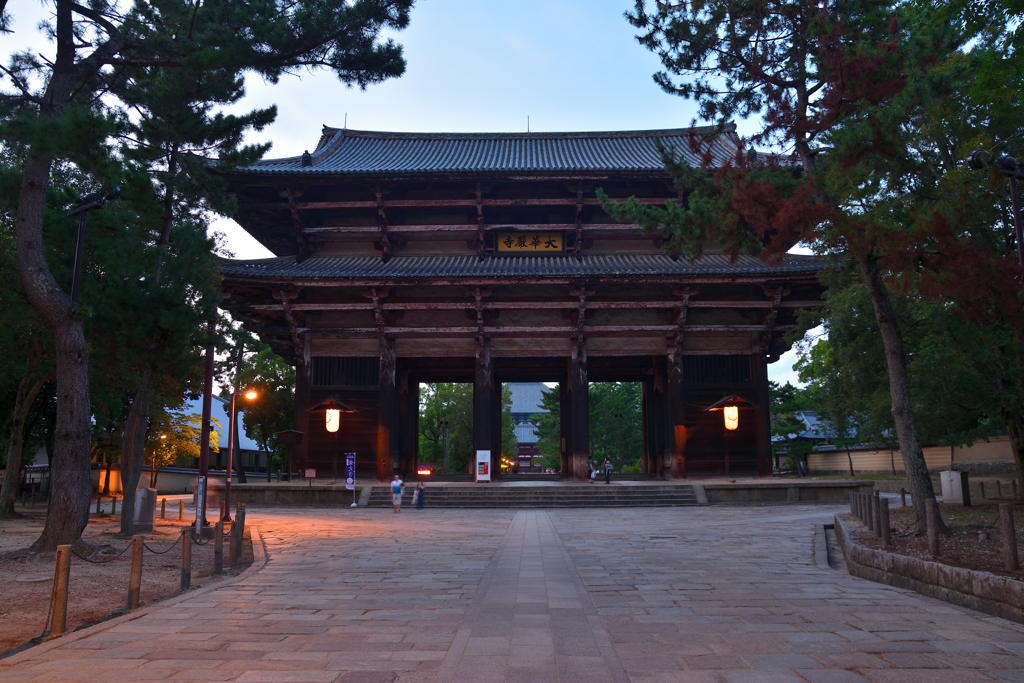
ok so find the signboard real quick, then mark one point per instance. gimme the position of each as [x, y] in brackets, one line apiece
[530, 243]
[483, 466]
[310, 474]
[350, 471]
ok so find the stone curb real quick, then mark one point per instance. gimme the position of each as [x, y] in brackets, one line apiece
[977, 590]
[260, 559]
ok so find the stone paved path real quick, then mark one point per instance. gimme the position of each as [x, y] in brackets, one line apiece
[710, 594]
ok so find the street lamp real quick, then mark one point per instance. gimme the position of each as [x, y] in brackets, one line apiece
[1012, 169]
[730, 407]
[332, 409]
[250, 395]
[82, 207]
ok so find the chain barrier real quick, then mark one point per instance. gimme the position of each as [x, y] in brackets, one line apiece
[83, 557]
[161, 552]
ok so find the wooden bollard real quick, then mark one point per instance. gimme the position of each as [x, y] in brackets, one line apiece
[237, 535]
[223, 509]
[1010, 561]
[876, 516]
[857, 502]
[186, 557]
[135, 573]
[931, 511]
[163, 509]
[181, 510]
[113, 505]
[886, 531]
[59, 596]
[218, 547]
[98, 499]
[853, 504]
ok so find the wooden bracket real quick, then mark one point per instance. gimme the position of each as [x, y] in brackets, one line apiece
[383, 238]
[298, 342]
[578, 244]
[774, 295]
[305, 247]
[480, 244]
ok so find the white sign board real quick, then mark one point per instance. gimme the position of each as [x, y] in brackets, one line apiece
[310, 474]
[483, 466]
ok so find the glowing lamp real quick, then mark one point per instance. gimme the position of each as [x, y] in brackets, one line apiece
[333, 417]
[423, 472]
[732, 417]
[332, 409]
[251, 395]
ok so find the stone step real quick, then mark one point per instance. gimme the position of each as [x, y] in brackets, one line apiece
[542, 496]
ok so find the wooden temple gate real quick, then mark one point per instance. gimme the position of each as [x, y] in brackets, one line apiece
[409, 258]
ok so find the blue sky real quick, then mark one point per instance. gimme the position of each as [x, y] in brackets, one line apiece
[473, 66]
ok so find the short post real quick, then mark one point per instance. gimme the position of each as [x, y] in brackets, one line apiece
[59, 597]
[856, 503]
[181, 510]
[237, 535]
[163, 509]
[223, 509]
[903, 497]
[1010, 561]
[218, 547]
[853, 504]
[186, 557]
[931, 515]
[886, 530]
[876, 506]
[98, 499]
[864, 508]
[113, 505]
[135, 574]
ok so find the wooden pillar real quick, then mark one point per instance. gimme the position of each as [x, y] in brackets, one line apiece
[483, 400]
[675, 437]
[564, 404]
[579, 414]
[403, 445]
[299, 454]
[657, 409]
[763, 429]
[412, 426]
[645, 421]
[496, 431]
[386, 411]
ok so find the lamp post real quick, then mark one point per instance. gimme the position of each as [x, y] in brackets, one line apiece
[82, 207]
[250, 395]
[1012, 169]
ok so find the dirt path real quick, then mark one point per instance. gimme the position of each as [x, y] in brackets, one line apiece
[96, 590]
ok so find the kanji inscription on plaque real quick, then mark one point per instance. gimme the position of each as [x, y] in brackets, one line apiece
[529, 243]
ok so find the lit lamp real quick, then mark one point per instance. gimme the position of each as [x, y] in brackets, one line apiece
[250, 395]
[332, 409]
[730, 407]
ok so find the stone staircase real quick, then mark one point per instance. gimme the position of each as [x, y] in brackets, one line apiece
[585, 495]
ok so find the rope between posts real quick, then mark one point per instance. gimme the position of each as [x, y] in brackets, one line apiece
[161, 552]
[82, 557]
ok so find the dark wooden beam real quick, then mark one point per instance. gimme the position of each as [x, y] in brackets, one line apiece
[494, 305]
[441, 203]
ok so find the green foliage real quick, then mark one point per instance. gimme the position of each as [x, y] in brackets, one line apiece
[274, 408]
[174, 439]
[549, 430]
[453, 402]
[616, 408]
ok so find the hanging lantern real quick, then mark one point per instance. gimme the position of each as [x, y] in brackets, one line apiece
[332, 409]
[732, 417]
[333, 419]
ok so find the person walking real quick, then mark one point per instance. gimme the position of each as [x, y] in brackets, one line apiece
[591, 470]
[396, 493]
[607, 471]
[420, 490]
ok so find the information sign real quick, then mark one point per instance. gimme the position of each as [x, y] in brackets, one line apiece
[350, 471]
[530, 243]
[483, 465]
[310, 474]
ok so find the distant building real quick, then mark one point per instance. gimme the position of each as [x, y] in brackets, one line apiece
[526, 402]
[249, 453]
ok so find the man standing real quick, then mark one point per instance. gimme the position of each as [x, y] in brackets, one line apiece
[607, 471]
[396, 493]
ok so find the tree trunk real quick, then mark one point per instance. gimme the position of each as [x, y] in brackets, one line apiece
[23, 401]
[850, 458]
[899, 388]
[133, 449]
[239, 468]
[1015, 430]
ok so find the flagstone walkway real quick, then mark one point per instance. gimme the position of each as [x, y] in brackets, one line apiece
[708, 594]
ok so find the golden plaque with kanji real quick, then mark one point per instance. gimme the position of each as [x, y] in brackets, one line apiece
[529, 243]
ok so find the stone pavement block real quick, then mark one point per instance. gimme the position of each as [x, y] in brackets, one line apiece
[832, 676]
[288, 677]
[763, 676]
[926, 676]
